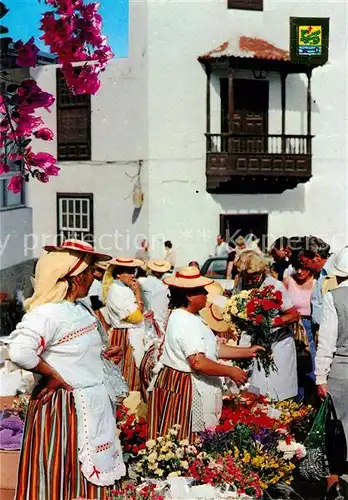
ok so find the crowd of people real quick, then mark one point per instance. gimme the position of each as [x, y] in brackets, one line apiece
[166, 332]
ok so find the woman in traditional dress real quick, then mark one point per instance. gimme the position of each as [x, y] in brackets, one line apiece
[70, 448]
[253, 271]
[125, 307]
[156, 298]
[331, 362]
[186, 389]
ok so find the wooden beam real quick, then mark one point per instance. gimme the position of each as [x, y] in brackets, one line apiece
[230, 99]
[283, 99]
[208, 102]
[309, 111]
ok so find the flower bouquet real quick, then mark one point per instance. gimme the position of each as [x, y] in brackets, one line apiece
[165, 457]
[131, 492]
[252, 312]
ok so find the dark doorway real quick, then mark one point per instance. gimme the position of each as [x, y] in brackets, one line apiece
[250, 114]
[232, 226]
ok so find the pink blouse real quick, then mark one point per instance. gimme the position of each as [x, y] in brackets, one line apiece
[300, 296]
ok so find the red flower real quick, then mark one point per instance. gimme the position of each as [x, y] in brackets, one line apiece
[44, 133]
[258, 319]
[26, 53]
[15, 184]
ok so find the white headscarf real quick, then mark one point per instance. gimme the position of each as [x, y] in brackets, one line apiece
[51, 269]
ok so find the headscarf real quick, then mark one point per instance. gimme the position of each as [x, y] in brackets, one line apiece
[107, 282]
[51, 269]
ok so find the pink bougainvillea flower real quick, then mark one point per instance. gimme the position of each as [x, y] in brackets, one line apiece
[15, 184]
[85, 81]
[31, 97]
[52, 170]
[41, 160]
[25, 125]
[44, 133]
[26, 53]
[2, 104]
[4, 168]
[41, 176]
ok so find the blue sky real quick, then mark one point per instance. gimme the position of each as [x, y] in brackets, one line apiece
[23, 21]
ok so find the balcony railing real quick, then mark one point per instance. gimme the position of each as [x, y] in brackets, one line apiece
[259, 144]
[282, 161]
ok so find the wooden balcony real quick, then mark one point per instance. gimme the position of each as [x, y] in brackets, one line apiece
[238, 163]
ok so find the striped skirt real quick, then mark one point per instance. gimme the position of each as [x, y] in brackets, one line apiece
[146, 372]
[170, 403]
[119, 336]
[49, 468]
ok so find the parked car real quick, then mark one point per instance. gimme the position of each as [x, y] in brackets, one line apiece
[215, 268]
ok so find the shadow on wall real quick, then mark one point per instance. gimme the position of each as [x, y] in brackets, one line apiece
[292, 200]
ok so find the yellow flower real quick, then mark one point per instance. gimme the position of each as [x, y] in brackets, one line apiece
[174, 474]
[169, 455]
[159, 472]
[184, 442]
[152, 457]
[179, 453]
[246, 458]
[153, 466]
[160, 439]
[151, 443]
[184, 464]
[162, 457]
[165, 448]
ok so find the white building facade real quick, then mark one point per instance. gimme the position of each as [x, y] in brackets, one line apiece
[150, 118]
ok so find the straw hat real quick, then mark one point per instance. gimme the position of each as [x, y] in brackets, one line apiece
[187, 277]
[126, 262]
[212, 315]
[102, 265]
[214, 290]
[340, 264]
[77, 246]
[159, 265]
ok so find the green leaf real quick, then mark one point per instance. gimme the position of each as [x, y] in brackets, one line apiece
[3, 10]
[25, 143]
[3, 30]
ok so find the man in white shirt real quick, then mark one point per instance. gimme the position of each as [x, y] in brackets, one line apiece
[222, 248]
[169, 255]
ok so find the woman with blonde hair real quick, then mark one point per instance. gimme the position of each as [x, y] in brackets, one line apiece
[124, 312]
[70, 448]
[253, 272]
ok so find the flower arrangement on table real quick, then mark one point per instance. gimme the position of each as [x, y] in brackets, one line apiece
[131, 492]
[254, 312]
[133, 432]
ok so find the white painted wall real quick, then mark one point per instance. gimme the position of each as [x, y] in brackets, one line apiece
[152, 107]
[179, 31]
[15, 224]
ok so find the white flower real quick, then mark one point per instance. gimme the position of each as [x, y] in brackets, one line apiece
[160, 439]
[153, 466]
[174, 474]
[184, 464]
[173, 432]
[159, 472]
[184, 442]
[179, 453]
[151, 443]
[176, 426]
[169, 455]
[152, 457]
[141, 452]
[291, 449]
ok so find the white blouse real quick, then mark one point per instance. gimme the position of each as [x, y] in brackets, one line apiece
[187, 334]
[156, 298]
[65, 335]
[121, 303]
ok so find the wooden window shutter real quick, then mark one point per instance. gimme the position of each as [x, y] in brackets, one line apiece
[73, 123]
[245, 4]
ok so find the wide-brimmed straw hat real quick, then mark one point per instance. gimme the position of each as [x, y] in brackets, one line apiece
[340, 264]
[126, 262]
[187, 277]
[212, 315]
[77, 246]
[158, 265]
[103, 265]
[214, 290]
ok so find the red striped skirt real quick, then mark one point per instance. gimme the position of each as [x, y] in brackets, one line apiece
[170, 403]
[146, 372]
[49, 468]
[119, 336]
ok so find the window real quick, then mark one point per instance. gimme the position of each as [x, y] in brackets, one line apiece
[216, 269]
[8, 199]
[73, 123]
[245, 4]
[75, 216]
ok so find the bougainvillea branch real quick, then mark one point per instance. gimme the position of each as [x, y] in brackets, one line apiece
[72, 31]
